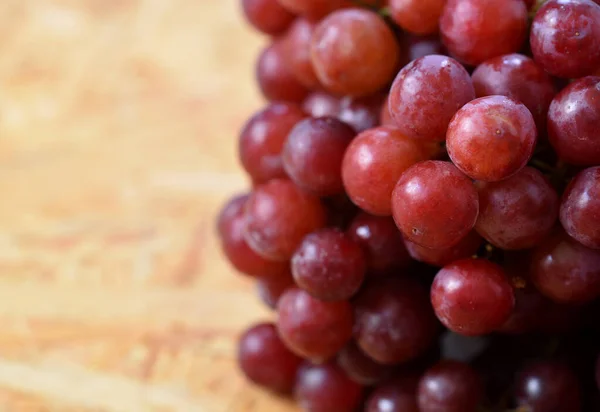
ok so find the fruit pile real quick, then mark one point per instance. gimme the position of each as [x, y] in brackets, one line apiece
[425, 206]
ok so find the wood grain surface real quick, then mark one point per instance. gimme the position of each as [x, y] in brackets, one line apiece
[118, 128]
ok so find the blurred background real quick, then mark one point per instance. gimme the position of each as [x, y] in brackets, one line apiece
[118, 133]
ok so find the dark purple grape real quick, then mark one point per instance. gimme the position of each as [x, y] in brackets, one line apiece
[361, 368]
[361, 113]
[397, 395]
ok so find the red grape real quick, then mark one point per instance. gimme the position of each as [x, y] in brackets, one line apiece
[329, 265]
[417, 16]
[472, 296]
[476, 30]
[491, 138]
[520, 78]
[275, 79]
[263, 137]
[381, 241]
[372, 164]
[434, 204]
[397, 395]
[270, 289]
[420, 46]
[394, 321]
[321, 104]
[278, 215]
[450, 386]
[361, 368]
[361, 113]
[565, 270]
[573, 121]
[427, 93]
[465, 248]
[313, 153]
[518, 212]
[231, 228]
[325, 388]
[312, 328]
[565, 37]
[265, 360]
[354, 52]
[313, 9]
[297, 43]
[267, 16]
[580, 208]
[548, 386]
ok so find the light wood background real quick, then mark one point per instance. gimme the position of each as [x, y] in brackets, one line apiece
[118, 128]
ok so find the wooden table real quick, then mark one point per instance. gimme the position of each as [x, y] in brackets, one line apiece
[118, 129]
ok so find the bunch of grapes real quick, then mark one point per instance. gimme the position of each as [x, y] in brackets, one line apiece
[425, 206]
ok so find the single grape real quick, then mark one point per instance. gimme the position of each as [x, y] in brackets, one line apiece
[231, 227]
[325, 388]
[427, 93]
[565, 37]
[297, 44]
[313, 153]
[477, 30]
[312, 328]
[329, 265]
[275, 79]
[450, 386]
[518, 212]
[321, 104]
[420, 46]
[354, 52]
[361, 113]
[361, 368]
[548, 386]
[417, 16]
[381, 241]
[313, 9]
[265, 360]
[472, 296]
[573, 121]
[372, 164]
[565, 270]
[491, 138]
[263, 137]
[397, 395]
[434, 204]
[278, 215]
[520, 78]
[393, 320]
[267, 16]
[270, 289]
[580, 208]
[466, 247]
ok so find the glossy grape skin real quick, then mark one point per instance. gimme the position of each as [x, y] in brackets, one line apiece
[267, 16]
[297, 44]
[427, 93]
[265, 360]
[393, 320]
[262, 139]
[520, 78]
[329, 265]
[312, 9]
[274, 77]
[278, 216]
[365, 67]
[231, 227]
[476, 30]
[548, 386]
[325, 388]
[465, 248]
[321, 104]
[580, 208]
[417, 16]
[449, 386]
[573, 120]
[491, 138]
[397, 395]
[311, 328]
[565, 270]
[518, 212]
[565, 37]
[434, 205]
[361, 368]
[270, 289]
[372, 164]
[361, 113]
[313, 153]
[381, 241]
[472, 296]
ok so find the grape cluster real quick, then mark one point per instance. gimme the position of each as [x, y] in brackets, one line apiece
[425, 206]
